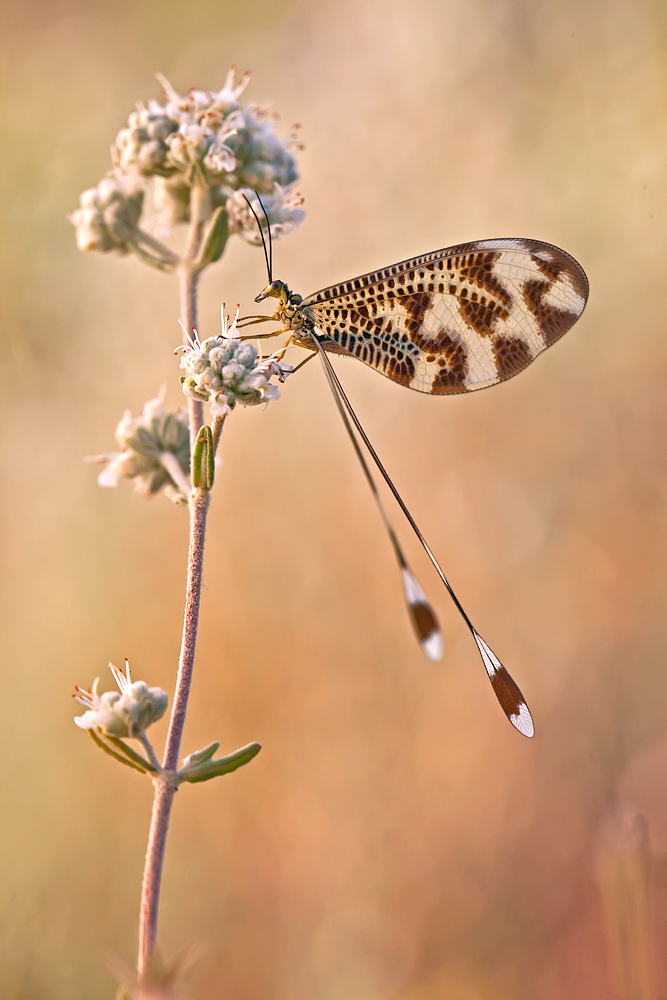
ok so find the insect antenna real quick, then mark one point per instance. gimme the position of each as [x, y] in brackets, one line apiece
[268, 257]
[506, 690]
[268, 229]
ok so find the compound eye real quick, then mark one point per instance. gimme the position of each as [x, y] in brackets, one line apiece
[276, 286]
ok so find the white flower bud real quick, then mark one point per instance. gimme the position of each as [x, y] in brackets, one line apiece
[109, 214]
[155, 447]
[127, 712]
[142, 145]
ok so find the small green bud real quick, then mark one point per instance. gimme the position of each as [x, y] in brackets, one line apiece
[203, 460]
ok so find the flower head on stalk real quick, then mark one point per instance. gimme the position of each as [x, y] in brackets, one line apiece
[126, 712]
[203, 141]
[223, 371]
[155, 452]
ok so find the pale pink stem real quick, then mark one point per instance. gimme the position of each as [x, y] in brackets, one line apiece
[164, 787]
[165, 783]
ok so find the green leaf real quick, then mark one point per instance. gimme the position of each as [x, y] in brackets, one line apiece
[208, 769]
[199, 756]
[214, 239]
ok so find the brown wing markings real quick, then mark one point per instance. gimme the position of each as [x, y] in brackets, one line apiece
[553, 262]
[486, 290]
[507, 692]
[453, 363]
[371, 340]
[415, 306]
[481, 314]
[478, 270]
[471, 254]
[512, 355]
[400, 370]
[553, 322]
[451, 356]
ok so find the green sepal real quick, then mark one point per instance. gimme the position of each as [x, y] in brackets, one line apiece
[148, 258]
[112, 753]
[207, 768]
[214, 239]
[203, 460]
[132, 754]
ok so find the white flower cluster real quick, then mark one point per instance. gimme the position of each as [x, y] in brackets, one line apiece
[126, 712]
[108, 215]
[283, 210]
[155, 452]
[225, 371]
[205, 139]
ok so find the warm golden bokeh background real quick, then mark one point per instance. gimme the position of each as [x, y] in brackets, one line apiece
[395, 838]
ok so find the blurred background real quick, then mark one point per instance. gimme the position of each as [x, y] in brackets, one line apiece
[396, 838]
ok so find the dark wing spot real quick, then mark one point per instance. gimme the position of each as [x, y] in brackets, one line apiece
[512, 355]
[553, 323]
[398, 369]
[507, 692]
[452, 360]
[416, 306]
[478, 270]
[558, 262]
[482, 316]
[423, 620]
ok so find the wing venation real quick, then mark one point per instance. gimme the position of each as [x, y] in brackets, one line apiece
[458, 319]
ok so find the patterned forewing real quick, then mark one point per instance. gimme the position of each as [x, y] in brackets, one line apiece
[458, 319]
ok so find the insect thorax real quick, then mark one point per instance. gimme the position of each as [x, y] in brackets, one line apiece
[295, 317]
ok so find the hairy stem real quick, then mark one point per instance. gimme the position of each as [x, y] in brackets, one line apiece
[188, 282]
[165, 785]
[150, 888]
[198, 508]
[165, 782]
[218, 424]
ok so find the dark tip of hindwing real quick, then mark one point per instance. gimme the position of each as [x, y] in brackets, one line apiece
[507, 692]
[422, 617]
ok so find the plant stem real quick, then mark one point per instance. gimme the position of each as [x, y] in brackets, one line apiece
[218, 424]
[150, 888]
[165, 784]
[188, 282]
[198, 510]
